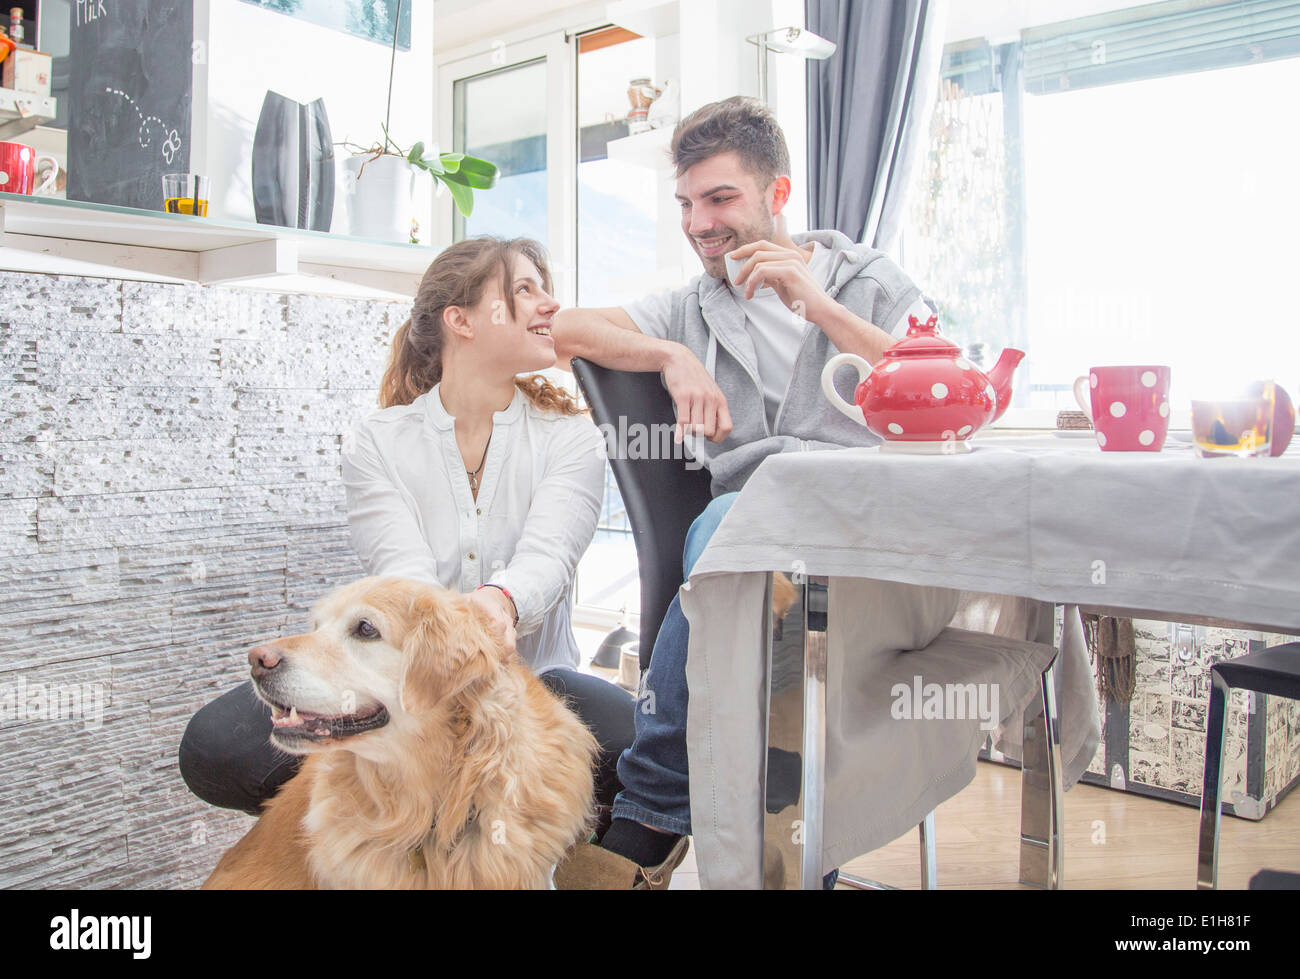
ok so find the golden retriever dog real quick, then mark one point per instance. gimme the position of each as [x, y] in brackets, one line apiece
[436, 758]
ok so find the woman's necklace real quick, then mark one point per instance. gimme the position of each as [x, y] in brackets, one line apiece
[473, 476]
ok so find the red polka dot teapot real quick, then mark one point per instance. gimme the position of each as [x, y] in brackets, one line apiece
[924, 396]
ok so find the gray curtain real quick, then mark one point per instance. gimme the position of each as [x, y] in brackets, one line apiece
[869, 108]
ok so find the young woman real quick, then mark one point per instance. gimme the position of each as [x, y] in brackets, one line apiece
[471, 477]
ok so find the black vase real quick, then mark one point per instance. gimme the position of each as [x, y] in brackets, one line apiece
[293, 164]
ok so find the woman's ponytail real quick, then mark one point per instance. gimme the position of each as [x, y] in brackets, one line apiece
[409, 373]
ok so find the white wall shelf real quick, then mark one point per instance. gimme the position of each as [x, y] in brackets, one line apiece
[76, 238]
[648, 149]
[21, 111]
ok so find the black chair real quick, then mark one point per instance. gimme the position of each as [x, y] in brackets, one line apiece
[662, 496]
[1274, 671]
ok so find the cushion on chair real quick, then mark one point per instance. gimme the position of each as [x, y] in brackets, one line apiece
[1274, 671]
[904, 768]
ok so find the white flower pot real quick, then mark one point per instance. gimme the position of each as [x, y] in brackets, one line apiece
[379, 192]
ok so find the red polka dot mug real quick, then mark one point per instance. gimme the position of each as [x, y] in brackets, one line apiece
[19, 164]
[1128, 406]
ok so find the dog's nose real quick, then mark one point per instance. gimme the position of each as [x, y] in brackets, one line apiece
[263, 659]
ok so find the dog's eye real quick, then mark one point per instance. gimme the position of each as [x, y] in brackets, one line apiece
[364, 630]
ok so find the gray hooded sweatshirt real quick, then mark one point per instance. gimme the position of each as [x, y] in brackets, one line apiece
[707, 319]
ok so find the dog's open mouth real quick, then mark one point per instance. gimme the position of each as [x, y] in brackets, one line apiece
[291, 723]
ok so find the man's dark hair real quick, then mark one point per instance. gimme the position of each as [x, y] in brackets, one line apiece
[739, 124]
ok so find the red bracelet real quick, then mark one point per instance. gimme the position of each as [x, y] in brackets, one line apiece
[513, 604]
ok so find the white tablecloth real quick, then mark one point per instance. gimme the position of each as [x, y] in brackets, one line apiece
[1046, 519]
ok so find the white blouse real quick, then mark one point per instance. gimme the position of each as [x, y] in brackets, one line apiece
[411, 512]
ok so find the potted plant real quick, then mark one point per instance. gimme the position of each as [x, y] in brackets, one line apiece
[380, 179]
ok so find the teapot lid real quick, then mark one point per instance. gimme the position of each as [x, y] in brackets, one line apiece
[923, 340]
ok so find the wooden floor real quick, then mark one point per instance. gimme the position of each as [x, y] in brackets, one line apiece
[1113, 840]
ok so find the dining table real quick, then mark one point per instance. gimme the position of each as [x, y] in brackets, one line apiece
[889, 549]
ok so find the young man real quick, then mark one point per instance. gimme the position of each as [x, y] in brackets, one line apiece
[741, 357]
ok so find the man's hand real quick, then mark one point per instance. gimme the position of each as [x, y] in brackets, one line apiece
[786, 271]
[500, 610]
[701, 405]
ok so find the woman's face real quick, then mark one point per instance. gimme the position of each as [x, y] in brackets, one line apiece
[521, 343]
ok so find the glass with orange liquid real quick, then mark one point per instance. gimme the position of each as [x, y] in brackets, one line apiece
[1237, 425]
[185, 193]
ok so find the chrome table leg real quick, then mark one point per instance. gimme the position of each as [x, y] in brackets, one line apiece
[1042, 851]
[815, 607]
[793, 804]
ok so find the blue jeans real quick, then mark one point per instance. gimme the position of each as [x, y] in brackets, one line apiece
[656, 783]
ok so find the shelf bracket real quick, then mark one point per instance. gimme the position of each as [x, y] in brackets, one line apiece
[253, 260]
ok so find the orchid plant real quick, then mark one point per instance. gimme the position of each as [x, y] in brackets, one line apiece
[459, 173]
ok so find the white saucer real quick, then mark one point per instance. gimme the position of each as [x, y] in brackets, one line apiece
[1074, 433]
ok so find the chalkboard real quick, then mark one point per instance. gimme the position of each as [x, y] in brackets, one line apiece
[129, 96]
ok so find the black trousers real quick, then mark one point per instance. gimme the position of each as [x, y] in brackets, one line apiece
[227, 758]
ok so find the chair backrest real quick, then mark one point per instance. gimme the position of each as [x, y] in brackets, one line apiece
[662, 496]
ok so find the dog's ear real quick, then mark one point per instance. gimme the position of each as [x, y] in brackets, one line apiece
[451, 645]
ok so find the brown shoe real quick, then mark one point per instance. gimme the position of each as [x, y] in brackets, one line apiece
[587, 867]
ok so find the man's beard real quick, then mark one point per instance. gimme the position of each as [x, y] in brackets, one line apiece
[759, 231]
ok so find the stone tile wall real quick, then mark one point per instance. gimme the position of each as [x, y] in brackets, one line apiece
[169, 494]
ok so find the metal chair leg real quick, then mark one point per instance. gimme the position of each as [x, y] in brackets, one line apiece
[863, 883]
[929, 860]
[1207, 857]
[1042, 852]
[929, 864]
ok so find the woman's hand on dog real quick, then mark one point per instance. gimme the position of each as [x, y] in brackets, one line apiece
[500, 610]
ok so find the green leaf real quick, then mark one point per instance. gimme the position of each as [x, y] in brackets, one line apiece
[462, 195]
[475, 173]
[431, 164]
[451, 165]
[485, 173]
[417, 151]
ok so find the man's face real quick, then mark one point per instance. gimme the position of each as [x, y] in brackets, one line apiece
[723, 207]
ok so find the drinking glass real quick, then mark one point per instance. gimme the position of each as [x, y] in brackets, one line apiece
[1239, 424]
[185, 193]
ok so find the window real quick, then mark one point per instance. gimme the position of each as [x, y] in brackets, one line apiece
[1118, 189]
[501, 116]
[618, 202]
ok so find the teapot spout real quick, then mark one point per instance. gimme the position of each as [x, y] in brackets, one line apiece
[1000, 377]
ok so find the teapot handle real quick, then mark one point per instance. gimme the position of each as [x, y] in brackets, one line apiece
[828, 384]
[1082, 395]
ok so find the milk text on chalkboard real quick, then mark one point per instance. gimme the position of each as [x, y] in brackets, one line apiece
[88, 10]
